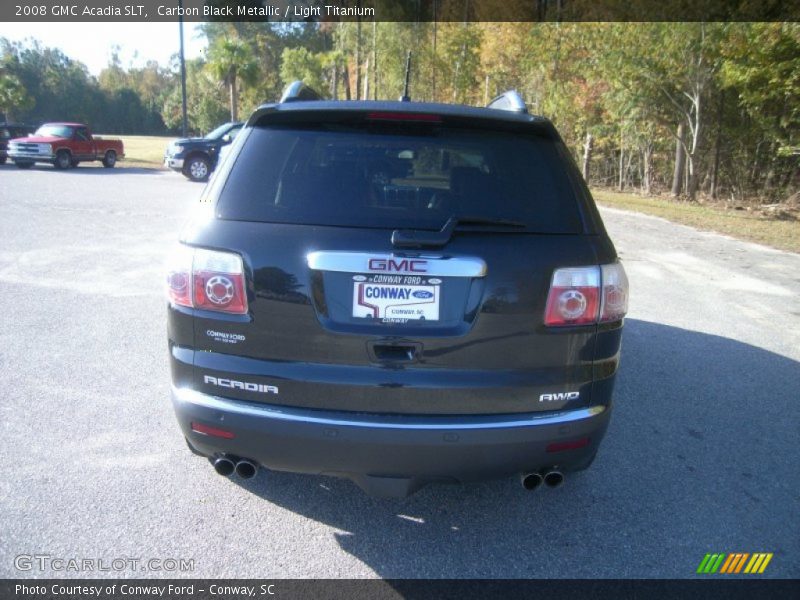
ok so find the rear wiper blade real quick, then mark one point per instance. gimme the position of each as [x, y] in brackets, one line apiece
[418, 238]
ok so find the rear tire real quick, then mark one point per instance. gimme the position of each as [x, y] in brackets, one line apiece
[63, 160]
[197, 168]
[110, 159]
[22, 164]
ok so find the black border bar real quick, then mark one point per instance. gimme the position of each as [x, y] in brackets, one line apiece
[400, 10]
[711, 588]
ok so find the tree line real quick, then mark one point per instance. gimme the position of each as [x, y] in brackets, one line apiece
[691, 109]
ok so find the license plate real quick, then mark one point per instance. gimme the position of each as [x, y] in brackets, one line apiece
[396, 302]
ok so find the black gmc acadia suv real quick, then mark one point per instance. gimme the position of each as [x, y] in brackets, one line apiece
[398, 293]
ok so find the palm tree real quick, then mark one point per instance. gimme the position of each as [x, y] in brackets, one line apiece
[231, 61]
[13, 96]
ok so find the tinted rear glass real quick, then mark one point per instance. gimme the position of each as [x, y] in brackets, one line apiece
[382, 178]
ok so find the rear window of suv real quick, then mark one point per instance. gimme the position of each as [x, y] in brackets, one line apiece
[345, 175]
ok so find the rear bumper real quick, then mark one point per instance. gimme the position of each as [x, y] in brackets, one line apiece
[390, 455]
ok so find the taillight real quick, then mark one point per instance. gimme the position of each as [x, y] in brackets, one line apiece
[585, 295]
[614, 304]
[574, 297]
[206, 279]
[179, 276]
[218, 281]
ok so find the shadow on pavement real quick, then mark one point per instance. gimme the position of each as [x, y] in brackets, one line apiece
[701, 456]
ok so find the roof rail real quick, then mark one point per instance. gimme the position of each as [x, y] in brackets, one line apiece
[297, 90]
[510, 100]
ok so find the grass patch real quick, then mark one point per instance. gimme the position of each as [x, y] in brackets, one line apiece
[142, 151]
[742, 224]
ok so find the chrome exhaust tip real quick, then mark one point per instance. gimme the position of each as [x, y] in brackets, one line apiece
[224, 466]
[245, 469]
[553, 479]
[531, 481]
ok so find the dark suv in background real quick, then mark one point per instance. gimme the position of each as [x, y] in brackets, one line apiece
[10, 131]
[397, 293]
[196, 158]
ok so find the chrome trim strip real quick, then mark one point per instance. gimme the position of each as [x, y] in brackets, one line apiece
[358, 262]
[31, 155]
[390, 422]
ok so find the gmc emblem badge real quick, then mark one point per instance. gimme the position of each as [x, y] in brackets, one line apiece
[404, 265]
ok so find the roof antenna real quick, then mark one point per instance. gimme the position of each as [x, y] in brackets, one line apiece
[405, 97]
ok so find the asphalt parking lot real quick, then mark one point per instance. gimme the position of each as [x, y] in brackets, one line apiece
[702, 454]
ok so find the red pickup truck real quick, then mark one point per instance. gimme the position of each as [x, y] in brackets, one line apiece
[64, 145]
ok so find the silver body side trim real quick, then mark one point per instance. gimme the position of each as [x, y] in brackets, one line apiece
[196, 398]
[359, 262]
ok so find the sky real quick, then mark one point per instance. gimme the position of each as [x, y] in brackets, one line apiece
[91, 43]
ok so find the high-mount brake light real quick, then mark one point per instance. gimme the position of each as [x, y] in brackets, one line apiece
[587, 295]
[399, 116]
[206, 279]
